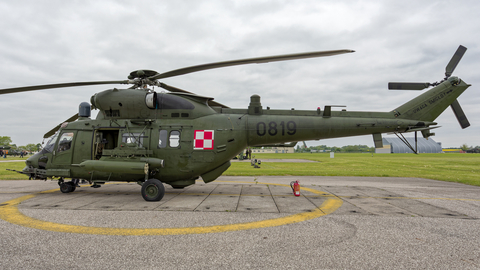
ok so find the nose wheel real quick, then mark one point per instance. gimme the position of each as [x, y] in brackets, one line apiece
[153, 190]
[67, 187]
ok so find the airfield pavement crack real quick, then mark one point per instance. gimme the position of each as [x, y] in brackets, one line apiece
[273, 198]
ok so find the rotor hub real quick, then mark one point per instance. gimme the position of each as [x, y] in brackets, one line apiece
[142, 74]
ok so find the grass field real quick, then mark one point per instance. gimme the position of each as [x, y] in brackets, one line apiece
[8, 175]
[461, 168]
[453, 167]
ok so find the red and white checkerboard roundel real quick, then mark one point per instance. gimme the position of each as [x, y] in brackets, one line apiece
[203, 140]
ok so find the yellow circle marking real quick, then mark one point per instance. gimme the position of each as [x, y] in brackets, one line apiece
[9, 212]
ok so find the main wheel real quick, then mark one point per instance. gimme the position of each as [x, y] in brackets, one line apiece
[65, 187]
[153, 190]
[73, 186]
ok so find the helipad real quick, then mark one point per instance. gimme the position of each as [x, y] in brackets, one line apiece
[251, 222]
[226, 196]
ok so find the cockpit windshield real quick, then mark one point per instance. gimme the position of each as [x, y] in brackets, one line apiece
[50, 144]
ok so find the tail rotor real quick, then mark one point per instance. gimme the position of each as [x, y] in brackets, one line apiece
[420, 86]
[457, 109]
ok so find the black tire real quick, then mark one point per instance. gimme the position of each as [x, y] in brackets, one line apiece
[72, 185]
[153, 190]
[65, 187]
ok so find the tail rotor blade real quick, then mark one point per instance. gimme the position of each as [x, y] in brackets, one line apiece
[457, 110]
[407, 86]
[454, 61]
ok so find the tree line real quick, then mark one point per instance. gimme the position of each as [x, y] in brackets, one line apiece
[6, 141]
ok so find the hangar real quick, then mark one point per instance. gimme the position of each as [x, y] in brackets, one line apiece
[395, 145]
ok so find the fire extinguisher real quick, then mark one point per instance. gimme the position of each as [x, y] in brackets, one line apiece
[295, 185]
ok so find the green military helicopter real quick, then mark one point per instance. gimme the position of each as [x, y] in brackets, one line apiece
[174, 138]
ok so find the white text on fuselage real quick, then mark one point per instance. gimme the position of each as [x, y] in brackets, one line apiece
[430, 101]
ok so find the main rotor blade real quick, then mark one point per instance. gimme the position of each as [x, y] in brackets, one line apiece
[58, 85]
[53, 130]
[178, 90]
[407, 86]
[258, 60]
[454, 61]
[174, 89]
[457, 110]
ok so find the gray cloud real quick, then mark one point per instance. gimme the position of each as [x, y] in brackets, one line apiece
[67, 41]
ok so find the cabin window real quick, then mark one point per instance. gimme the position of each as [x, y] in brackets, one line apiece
[65, 142]
[174, 139]
[132, 137]
[162, 140]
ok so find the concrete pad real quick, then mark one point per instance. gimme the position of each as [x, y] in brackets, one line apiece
[416, 208]
[256, 198]
[46, 201]
[287, 202]
[188, 199]
[377, 238]
[223, 198]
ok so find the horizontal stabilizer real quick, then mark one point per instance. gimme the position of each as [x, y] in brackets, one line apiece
[422, 129]
[457, 110]
[413, 129]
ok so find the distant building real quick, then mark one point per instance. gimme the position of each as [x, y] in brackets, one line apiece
[274, 150]
[452, 150]
[395, 145]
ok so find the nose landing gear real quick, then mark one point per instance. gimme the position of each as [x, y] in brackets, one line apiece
[67, 187]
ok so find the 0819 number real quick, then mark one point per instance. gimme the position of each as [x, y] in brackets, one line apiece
[273, 128]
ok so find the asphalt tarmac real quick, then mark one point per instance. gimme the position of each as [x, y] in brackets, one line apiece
[243, 222]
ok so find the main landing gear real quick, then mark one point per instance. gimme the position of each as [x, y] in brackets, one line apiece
[153, 190]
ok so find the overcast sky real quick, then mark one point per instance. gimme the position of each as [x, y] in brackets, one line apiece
[44, 42]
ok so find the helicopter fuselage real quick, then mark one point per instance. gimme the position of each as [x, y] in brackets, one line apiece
[178, 138]
[153, 138]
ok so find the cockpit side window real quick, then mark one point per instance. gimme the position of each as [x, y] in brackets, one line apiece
[65, 142]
